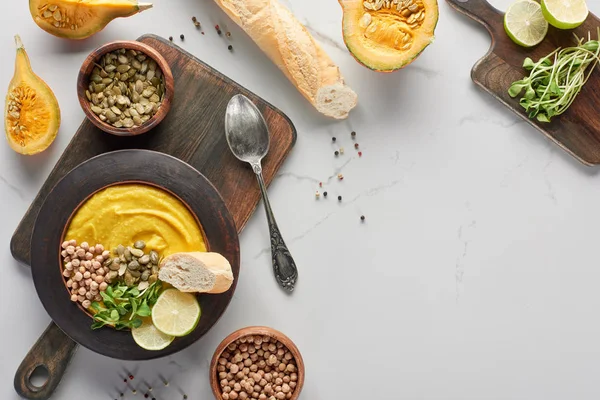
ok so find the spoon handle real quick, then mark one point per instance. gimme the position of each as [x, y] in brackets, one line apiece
[284, 266]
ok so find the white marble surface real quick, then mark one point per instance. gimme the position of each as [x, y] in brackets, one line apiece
[475, 275]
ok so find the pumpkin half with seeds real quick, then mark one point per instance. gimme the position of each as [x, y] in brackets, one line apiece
[77, 19]
[386, 35]
[31, 114]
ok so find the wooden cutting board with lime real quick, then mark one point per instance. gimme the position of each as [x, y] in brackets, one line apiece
[542, 65]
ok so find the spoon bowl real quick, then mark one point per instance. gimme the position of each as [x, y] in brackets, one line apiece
[246, 130]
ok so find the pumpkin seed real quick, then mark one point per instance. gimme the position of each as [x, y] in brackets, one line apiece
[136, 274]
[127, 254]
[88, 95]
[137, 252]
[145, 275]
[114, 266]
[143, 285]
[154, 257]
[137, 121]
[112, 275]
[96, 78]
[153, 278]
[133, 266]
[122, 269]
[96, 110]
[140, 244]
[144, 260]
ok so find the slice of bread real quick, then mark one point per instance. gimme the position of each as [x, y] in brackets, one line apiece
[197, 272]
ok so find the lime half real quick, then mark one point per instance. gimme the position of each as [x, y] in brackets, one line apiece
[150, 338]
[565, 14]
[525, 24]
[176, 313]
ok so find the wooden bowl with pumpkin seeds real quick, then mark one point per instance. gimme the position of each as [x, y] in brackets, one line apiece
[125, 88]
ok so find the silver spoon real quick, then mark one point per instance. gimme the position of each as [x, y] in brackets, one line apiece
[248, 138]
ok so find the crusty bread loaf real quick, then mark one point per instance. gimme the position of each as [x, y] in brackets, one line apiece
[197, 272]
[292, 48]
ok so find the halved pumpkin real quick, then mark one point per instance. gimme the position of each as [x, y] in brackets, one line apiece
[80, 19]
[31, 113]
[386, 35]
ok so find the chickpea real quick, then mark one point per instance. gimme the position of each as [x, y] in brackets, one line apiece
[72, 242]
[272, 347]
[246, 371]
[280, 353]
[243, 396]
[267, 369]
[288, 356]
[265, 346]
[75, 284]
[268, 388]
[242, 340]
[99, 259]
[256, 377]
[243, 347]
[268, 377]
[225, 396]
[65, 244]
[255, 395]
[67, 273]
[70, 283]
[87, 275]
[288, 395]
[89, 296]
[92, 250]
[69, 266]
[222, 361]
[70, 250]
[240, 365]
[278, 382]
[230, 377]
[285, 388]
[82, 291]
[85, 246]
[260, 352]
[106, 254]
[237, 358]
[94, 276]
[280, 395]
[225, 355]
[80, 298]
[237, 387]
[64, 253]
[258, 340]
[103, 286]
[262, 397]
[240, 375]
[87, 264]
[233, 395]
[234, 368]
[257, 388]
[224, 382]
[262, 382]
[99, 249]
[232, 347]
[280, 345]
[221, 368]
[286, 379]
[227, 389]
[78, 276]
[272, 360]
[275, 374]
[262, 364]
[251, 350]
[82, 269]
[98, 298]
[67, 259]
[290, 368]
[86, 304]
[89, 256]
[293, 384]
[261, 373]
[253, 368]
[99, 279]
[73, 297]
[293, 377]
[94, 285]
[88, 281]
[266, 339]
[80, 253]
[247, 362]
[282, 367]
[96, 265]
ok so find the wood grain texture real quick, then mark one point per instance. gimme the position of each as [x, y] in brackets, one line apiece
[52, 351]
[83, 81]
[577, 131]
[193, 131]
[256, 331]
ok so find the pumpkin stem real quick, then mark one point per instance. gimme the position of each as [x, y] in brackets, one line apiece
[19, 42]
[144, 6]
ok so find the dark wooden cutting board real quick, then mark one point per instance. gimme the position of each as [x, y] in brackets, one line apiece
[193, 131]
[578, 130]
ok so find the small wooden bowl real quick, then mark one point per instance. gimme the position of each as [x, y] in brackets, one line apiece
[88, 67]
[258, 331]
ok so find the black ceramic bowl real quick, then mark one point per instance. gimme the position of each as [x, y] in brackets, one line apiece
[139, 166]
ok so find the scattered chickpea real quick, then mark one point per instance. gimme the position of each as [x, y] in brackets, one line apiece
[73, 297]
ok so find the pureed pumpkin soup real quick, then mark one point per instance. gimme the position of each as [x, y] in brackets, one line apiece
[127, 213]
[113, 247]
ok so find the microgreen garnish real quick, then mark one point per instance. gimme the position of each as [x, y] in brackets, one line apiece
[125, 306]
[555, 80]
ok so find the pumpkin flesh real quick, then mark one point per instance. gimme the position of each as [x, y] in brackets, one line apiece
[77, 19]
[388, 35]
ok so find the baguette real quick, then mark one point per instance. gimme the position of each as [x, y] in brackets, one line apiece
[197, 272]
[291, 47]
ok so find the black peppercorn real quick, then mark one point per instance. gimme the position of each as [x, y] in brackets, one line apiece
[362, 217]
[356, 145]
[182, 37]
[333, 139]
[219, 32]
[324, 194]
[230, 47]
[337, 153]
[340, 198]
[171, 38]
[353, 134]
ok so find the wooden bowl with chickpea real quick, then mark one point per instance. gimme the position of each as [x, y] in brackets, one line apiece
[257, 362]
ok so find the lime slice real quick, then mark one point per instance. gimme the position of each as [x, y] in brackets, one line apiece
[565, 14]
[150, 338]
[525, 24]
[176, 313]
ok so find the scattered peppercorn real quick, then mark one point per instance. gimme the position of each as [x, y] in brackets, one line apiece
[333, 139]
[171, 38]
[197, 24]
[353, 134]
[362, 217]
[360, 153]
[185, 396]
[320, 184]
[340, 198]
[340, 177]
[356, 145]
[217, 27]
[228, 34]
[337, 153]
[317, 194]
[131, 377]
[230, 47]
[182, 37]
[324, 194]
[121, 394]
[194, 19]
[125, 380]
[341, 150]
[146, 395]
[134, 391]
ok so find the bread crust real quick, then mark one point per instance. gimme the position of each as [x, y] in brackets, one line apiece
[292, 48]
[213, 262]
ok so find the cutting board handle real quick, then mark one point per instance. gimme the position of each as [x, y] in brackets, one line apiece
[53, 351]
[481, 11]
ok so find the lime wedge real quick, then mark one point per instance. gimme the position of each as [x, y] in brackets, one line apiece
[565, 14]
[525, 24]
[176, 313]
[150, 338]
